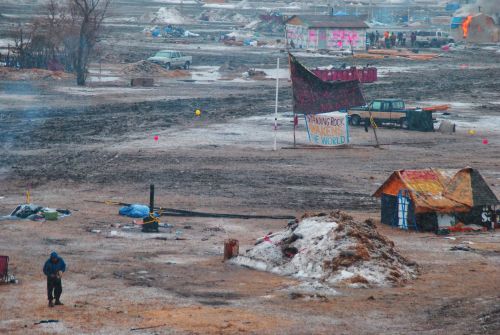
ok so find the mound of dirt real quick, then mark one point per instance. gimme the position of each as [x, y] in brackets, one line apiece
[333, 249]
[7, 73]
[144, 68]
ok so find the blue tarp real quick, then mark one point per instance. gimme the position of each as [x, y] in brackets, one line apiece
[456, 21]
[135, 211]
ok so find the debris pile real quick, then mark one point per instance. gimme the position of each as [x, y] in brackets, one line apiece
[169, 31]
[272, 22]
[223, 16]
[36, 213]
[144, 68]
[333, 249]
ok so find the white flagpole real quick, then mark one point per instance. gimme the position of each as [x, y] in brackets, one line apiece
[276, 105]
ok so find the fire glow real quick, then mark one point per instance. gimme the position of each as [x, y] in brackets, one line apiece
[465, 25]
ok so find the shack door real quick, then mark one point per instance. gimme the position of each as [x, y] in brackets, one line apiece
[322, 39]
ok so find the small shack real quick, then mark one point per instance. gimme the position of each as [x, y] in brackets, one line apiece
[326, 32]
[433, 199]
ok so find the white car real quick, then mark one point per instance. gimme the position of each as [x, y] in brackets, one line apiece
[170, 59]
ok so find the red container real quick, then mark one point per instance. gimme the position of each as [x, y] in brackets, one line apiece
[364, 75]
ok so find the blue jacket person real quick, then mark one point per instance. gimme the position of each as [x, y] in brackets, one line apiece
[53, 269]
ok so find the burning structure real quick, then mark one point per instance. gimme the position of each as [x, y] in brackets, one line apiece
[477, 23]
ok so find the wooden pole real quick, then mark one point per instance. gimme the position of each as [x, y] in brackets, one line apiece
[374, 126]
[294, 126]
[276, 105]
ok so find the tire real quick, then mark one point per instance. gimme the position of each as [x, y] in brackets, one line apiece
[403, 123]
[355, 120]
[167, 66]
[186, 66]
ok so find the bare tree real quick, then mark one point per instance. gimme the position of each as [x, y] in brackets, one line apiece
[90, 14]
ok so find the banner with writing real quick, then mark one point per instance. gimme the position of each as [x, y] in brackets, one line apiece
[329, 129]
[311, 95]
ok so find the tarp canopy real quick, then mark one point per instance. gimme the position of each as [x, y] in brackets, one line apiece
[438, 190]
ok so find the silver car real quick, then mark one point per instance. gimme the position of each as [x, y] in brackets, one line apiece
[170, 59]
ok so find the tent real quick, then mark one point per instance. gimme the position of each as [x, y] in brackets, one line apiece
[436, 197]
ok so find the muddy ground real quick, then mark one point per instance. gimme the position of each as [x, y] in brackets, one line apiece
[78, 145]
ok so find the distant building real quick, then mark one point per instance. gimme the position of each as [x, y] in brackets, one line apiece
[326, 32]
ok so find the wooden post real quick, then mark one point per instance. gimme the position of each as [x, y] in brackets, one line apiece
[276, 105]
[231, 248]
[374, 126]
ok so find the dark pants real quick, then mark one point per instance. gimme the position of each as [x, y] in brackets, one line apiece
[54, 288]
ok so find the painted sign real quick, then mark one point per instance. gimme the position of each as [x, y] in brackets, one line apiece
[325, 38]
[329, 129]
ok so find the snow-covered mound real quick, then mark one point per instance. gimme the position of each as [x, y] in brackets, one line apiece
[169, 16]
[333, 249]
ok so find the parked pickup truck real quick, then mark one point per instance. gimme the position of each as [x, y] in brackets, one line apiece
[392, 111]
[433, 39]
[170, 59]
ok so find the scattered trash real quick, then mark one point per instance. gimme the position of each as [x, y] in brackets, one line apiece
[447, 127]
[46, 321]
[334, 248]
[231, 248]
[461, 247]
[461, 227]
[36, 213]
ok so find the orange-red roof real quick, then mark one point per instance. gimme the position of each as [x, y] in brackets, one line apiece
[428, 189]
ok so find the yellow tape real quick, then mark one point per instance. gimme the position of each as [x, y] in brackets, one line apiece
[372, 121]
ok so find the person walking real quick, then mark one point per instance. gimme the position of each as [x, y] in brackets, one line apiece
[53, 269]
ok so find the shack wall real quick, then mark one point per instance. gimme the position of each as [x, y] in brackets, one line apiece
[325, 38]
